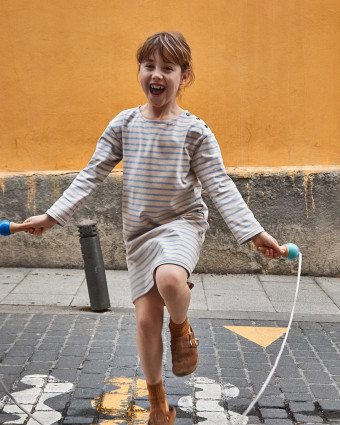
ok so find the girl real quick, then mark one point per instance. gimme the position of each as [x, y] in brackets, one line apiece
[168, 155]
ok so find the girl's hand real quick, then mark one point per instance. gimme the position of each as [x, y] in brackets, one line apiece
[38, 224]
[264, 240]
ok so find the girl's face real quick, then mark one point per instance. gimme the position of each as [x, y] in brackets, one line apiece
[160, 80]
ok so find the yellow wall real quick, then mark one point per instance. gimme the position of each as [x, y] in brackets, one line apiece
[267, 76]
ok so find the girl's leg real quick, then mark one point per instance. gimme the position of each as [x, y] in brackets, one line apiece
[171, 281]
[149, 318]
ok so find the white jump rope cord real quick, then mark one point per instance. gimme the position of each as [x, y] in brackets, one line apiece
[264, 386]
[18, 404]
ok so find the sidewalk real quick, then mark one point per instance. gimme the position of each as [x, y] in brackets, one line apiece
[222, 296]
[70, 366]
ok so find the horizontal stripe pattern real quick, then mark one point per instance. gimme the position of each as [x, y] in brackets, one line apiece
[165, 165]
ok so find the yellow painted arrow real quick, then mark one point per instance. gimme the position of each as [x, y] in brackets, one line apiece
[263, 336]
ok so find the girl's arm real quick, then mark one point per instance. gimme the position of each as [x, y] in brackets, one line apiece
[208, 165]
[107, 154]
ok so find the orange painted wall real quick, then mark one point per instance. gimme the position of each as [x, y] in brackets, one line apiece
[267, 76]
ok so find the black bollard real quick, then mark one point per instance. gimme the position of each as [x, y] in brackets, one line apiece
[94, 266]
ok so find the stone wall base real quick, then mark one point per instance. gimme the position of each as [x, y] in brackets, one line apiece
[294, 206]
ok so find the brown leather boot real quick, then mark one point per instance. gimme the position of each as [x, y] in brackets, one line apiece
[158, 417]
[184, 354]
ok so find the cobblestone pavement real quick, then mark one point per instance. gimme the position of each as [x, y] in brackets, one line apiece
[83, 368]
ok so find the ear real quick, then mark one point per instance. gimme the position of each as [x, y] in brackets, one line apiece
[184, 77]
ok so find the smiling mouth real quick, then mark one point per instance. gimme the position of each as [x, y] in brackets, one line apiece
[156, 89]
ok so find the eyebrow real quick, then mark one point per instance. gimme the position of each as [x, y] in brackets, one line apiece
[168, 62]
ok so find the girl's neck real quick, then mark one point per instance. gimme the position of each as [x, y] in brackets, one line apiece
[160, 114]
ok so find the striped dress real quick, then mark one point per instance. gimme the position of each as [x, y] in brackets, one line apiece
[164, 216]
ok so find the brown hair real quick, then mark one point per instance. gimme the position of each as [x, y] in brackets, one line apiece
[170, 46]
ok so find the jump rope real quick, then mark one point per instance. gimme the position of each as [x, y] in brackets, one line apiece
[291, 252]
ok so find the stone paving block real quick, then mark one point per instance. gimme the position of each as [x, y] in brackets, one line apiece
[257, 367]
[317, 377]
[306, 307]
[74, 350]
[284, 279]
[274, 413]
[330, 405]
[231, 282]
[13, 275]
[91, 381]
[253, 420]
[65, 374]
[271, 402]
[238, 301]
[271, 390]
[297, 396]
[44, 356]
[231, 362]
[328, 392]
[94, 367]
[9, 379]
[286, 372]
[232, 373]
[198, 301]
[55, 276]
[309, 365]
[328, 356]
[102, 356]
[7, 338]
[10, 370]
[299, 407]
[210, 371]
[21, 351]
[37, 299]
[32, 285]
[309, 419]
[291, 385]
[69, 362]
[12, 360]
[286, 293]
[6, 289]
[331, 286]
[70, 420]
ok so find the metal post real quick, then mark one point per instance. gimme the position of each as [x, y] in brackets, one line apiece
[94, 266]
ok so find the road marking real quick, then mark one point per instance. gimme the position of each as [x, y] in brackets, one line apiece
[120, 402]
[263, 336]
[44, 388]
[206, 402]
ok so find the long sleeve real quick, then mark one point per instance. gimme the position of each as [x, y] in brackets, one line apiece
[208, 165]
[106, 156]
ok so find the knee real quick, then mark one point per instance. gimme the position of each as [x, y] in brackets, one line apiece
[147, 324]
[170, 279]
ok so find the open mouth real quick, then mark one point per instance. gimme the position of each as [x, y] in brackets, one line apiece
[156, 89]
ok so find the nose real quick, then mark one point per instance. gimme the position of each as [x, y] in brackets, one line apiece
[157, 74]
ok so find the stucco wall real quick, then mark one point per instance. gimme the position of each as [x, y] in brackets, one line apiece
[267, 83]
[267, 76]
